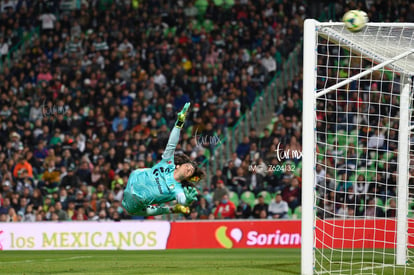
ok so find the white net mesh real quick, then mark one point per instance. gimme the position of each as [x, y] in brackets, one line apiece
[357, 131]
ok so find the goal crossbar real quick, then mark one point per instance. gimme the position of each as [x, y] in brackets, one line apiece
[370, 44]
[364, 73]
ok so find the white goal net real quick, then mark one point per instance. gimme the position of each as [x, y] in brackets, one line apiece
[357, 196]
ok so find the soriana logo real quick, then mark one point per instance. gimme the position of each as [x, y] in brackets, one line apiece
[233, 237]
[223, 239]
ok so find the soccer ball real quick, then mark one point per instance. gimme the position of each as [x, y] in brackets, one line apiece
[355, 20]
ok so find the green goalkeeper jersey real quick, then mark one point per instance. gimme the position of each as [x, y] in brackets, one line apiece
[155, 185]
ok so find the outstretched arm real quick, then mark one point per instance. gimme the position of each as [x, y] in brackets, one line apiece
[175, 133]
[172, 143]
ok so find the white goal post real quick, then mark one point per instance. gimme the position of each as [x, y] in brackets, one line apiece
[357, 202]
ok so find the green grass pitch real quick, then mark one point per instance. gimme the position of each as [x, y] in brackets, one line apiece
[191, 261]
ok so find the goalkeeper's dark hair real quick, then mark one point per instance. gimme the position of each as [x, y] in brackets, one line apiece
[180, 159]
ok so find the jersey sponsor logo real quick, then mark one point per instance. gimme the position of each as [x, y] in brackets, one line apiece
[157, 179]
[172, 186]
[157, 174]
[165, 170]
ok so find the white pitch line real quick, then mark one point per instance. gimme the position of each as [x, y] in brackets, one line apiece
[46, 260]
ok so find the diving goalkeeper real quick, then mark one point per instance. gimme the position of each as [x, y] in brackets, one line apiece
[173, 178]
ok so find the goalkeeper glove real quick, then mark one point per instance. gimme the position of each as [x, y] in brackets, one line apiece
[190, 194]
[182, 115]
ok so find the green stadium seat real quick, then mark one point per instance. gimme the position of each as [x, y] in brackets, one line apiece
[342, 138]
[189, 131]
[331, 139]
[266, 195]
[91, 189]
[379, 202]
[368, 174]
[362, 205]
[297, 213]
[290, 214]
[234, 197]
[297, 171]
[387, 203]
[353, 137]
[411, 209]
[207, 153]
[248, 197]
[201, 6]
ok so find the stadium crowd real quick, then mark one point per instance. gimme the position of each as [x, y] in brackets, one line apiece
[94, 95]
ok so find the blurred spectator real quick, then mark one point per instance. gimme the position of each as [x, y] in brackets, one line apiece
[41, 152]
[239, 182]
[118, 192]
[291, 194]
[392, 209]
[71, 209]
[278, 209]
[236, 160]
[12, 216]
[4, 49]
[23, 164]
[270, 64]
[37, 199]
[376, 140]
[203, 209]
[193, 215]
[48, 22]
[16, 144]
[260, 207]
[4, 208]
[255, 180]
[61, 214]
[220, 191]
[225, 209]
[230, 170]
[7, 185]
[218, 176]
[51, 177]
[243, 148]
[102, 216]
[243, 210]
[290, 110]
[24, 181]
[92, 216]
[372, 210]
[208, 196]
[84, 173]
[266, 140]
[70, 180]
[120, 123]
[29, 215]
